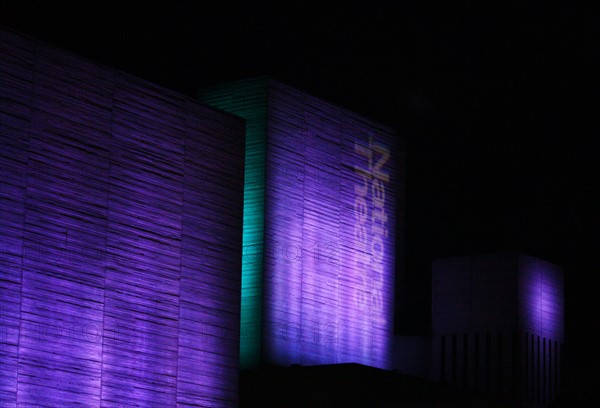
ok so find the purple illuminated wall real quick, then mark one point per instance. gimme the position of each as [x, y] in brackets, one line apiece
[330, 189]
[498, 325]
[120, 235]
[541, 298]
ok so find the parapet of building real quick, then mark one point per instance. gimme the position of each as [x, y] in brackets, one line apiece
[498, 325]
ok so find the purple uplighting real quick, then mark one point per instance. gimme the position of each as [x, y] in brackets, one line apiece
[541, 298]
[498, 325]
[329, 187]
[120, 238]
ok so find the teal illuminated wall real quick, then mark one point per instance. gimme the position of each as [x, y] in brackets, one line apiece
[319, 228]
[248, 99]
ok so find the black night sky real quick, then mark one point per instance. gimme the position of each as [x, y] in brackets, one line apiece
[497, 106]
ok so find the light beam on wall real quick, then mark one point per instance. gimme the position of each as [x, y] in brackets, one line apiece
[120, 238]
[321, 290]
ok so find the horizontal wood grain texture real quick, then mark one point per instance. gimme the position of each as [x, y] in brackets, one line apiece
[121, 237]
[15, 111]
[324, 297]
[330, 275]
[248, 99]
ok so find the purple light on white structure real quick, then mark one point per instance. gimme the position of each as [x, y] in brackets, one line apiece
[120, 238]
[329, 186]
[329, 282]
[541, 297]
[506, 312]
